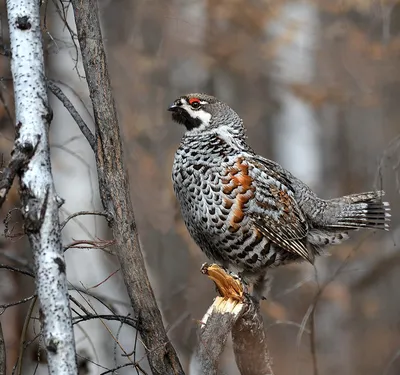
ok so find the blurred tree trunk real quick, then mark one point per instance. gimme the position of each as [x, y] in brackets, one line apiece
[298, 146]
[297, 139]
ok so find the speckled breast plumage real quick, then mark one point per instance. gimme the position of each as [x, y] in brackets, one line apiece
[216, 188]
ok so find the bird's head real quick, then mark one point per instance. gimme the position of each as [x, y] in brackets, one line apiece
[204, 113]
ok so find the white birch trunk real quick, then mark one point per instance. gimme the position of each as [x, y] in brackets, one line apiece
[40, 201]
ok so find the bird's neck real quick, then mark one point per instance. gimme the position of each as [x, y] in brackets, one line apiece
[234, 138]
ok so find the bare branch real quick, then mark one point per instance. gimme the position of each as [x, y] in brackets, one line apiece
[313, 345]
[15, 269]
[136, 365]
[23, 335]
[39, 199]
[20, 261]
[10, 304]
[233, 311]
[73, 112]
[115, 192]
[81, 213]
[88, 244]
[250, 344]
[123, 319]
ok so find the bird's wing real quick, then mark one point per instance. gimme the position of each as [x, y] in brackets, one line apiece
[274, 209]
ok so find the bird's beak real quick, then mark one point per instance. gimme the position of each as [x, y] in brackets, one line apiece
[172, 107]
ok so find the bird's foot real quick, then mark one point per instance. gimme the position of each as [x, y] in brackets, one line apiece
[228, 284]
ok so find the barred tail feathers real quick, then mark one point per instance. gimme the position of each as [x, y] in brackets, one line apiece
[365, 210]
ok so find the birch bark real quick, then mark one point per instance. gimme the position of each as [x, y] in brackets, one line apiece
[39, 199]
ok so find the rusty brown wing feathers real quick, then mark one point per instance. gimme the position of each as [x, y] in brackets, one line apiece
[276, 214]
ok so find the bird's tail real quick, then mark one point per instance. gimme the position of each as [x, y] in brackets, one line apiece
[364, 210]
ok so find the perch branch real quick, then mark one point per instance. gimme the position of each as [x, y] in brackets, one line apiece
[233, 311]
[115, 192]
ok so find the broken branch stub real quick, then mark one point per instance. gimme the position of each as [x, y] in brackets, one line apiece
[233, 311]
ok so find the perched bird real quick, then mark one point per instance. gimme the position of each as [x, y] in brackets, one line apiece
[246, 212]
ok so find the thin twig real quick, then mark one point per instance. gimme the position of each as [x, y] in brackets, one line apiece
[81, 213]
[115, 344]
[103, 281]
[118, 318]
[76, 96]
[88, 244]
[23, 335]
[63, 13]
[20, 261]
[24, 300]
[313, 305]
[105, 326]
[103, 300]
[73, 112]
[16, 269]
[136, 365]
[77, 303]
[313, 346]
[390, 363]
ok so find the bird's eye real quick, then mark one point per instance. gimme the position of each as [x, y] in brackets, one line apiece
[194, 102]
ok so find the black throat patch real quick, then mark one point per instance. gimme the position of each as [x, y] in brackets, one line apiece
[180, 116]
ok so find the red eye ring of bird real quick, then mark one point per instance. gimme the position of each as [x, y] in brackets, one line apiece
[194, 102]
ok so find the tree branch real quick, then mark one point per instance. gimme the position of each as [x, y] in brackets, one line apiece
[81, 213]
[250, 344]
[15, 269]
[115, 192]
[233, 311]
[23, 335]
[4, 306]
[39, 199]
[73, 112]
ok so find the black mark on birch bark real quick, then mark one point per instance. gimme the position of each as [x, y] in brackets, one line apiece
[60, 263]
[52, 346]
[23, 23]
